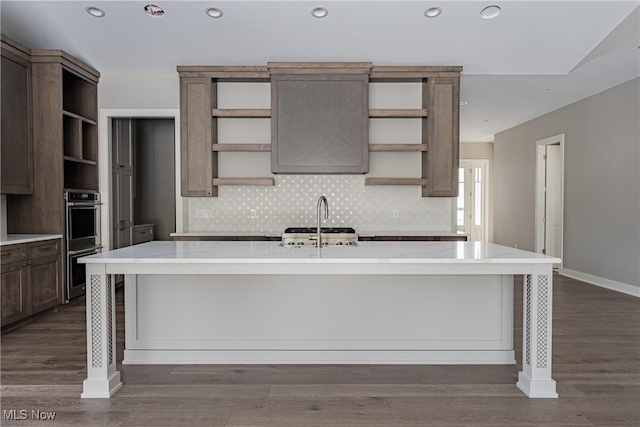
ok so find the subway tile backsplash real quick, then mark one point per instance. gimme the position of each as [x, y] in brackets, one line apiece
[292, 202]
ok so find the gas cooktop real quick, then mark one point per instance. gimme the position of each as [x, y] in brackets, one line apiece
[331, 236]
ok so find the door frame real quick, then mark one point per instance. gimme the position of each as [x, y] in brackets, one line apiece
[105, 161]
[485, 196]
[539, 200]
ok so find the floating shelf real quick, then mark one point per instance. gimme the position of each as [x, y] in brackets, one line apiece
[77, 160]
[79, 117]
[269, 182]
[395, 181]
[241, 112]
[397, 147]
[398, 113]
[241, 147]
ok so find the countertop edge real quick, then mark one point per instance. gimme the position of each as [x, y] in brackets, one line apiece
[17, 239]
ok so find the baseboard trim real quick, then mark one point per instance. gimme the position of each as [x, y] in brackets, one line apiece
[360, 357]
[602, 282]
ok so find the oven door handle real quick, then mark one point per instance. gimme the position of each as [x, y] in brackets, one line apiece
[83, 204]
[82, 251]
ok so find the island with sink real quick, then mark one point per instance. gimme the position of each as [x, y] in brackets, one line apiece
[190, 302]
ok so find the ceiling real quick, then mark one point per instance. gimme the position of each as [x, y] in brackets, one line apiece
[533, 58]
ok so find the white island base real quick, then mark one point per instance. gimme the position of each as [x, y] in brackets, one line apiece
[378, 303]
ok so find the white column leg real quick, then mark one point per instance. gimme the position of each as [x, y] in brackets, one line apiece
[102, 378]
[535, 378]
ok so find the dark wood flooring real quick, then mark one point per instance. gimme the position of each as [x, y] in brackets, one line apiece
[596, 362]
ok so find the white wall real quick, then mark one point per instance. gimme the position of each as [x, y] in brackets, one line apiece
[602, 200]
[139, 91]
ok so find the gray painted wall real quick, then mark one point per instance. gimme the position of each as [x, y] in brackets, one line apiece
[154, 174]
[602, 181]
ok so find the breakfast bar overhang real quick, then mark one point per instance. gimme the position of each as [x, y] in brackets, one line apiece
[378, 302]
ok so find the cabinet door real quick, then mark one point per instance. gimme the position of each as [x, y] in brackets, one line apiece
[320, 124]
[196, 137]
[122, 213]
[17, 146]
[440, 161]
[122, 144]
[44, 282]
[13, 292]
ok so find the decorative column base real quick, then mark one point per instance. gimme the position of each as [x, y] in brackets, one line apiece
[101, 388]
[536, 388]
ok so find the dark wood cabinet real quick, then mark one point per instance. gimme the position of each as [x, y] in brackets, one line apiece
[31, 279]
[197, 133]
[122, 209]
[16, 130]
[441, 131]
[122, 144]
[13, 292]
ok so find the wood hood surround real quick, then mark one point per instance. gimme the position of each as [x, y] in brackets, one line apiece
[319, 122]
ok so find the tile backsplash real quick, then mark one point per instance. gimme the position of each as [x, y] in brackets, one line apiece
[292, 202]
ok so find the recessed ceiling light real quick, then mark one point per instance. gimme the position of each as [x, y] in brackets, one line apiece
[213, 12]
[486, 120]
[545, 90]
[490, 12]
[96, 12]
[153, 10]
[463, 103]
[319, 12]
[432, 12]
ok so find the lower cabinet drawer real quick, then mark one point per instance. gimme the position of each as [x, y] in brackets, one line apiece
[13, 253]
[42, 249]
[142, 234]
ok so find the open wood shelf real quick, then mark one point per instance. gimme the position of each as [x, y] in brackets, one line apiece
[247, 113]
[269, 182]
[78, 160]
[397, 147]
[395, 181]
[398, 113]
[79, 117]
[241, 147]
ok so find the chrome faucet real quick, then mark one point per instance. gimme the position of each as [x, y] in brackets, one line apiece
[321, 200]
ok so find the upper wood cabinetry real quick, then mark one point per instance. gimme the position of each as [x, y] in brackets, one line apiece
[122, 145]
[16, 142]
[320, 118]
[299, 109]
[197, 130]
[441, 129]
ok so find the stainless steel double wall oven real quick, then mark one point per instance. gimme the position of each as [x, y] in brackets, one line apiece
[82, 213]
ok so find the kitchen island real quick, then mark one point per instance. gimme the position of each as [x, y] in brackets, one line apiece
[378, 302]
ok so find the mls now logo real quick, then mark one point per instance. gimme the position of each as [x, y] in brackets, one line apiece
[23, 414]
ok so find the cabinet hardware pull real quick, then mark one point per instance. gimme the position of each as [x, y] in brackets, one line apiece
[4, 254]
[44, 248]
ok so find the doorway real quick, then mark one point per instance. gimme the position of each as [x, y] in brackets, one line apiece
[106, 162]
[472, 206]
[142, 185]
[550, 196]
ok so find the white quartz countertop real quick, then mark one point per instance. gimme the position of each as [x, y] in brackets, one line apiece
[167, 252]
[15, 239]
[278, 233]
